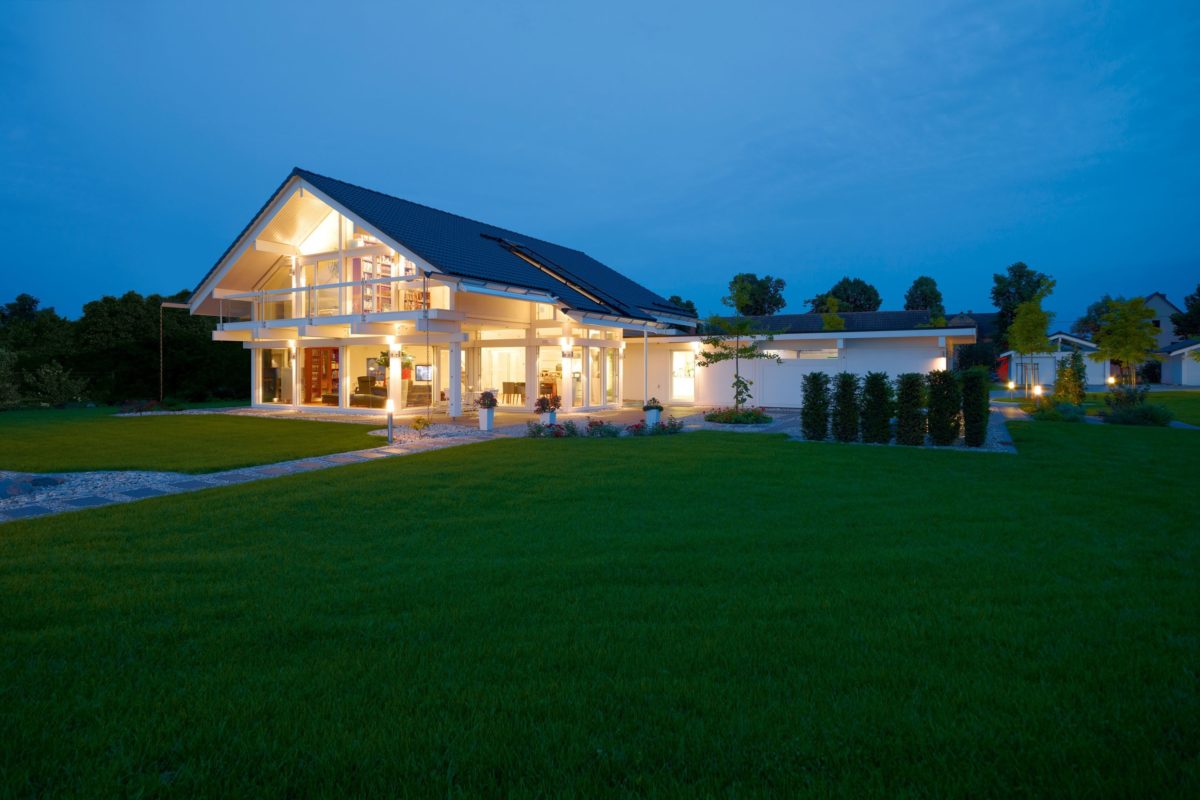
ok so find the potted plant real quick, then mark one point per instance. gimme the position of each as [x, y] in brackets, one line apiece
[653, 410]
[548, 407]
[487, 411]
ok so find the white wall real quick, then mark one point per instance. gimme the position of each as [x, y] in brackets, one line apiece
[1047, 363]
[779, 385]
[1181, 370]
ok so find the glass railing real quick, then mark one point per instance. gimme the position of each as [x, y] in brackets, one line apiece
[365, 297]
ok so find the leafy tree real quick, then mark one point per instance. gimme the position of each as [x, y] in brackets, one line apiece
[735, 340]
[1187, 322]
[1070, 383]
[846, 397]
[753, 296]
[34, 335]
[1087, 325]
[9, 395]
[1127, 336]
[51, 383]
[1018, 284]
[924, 295]
[853, 294]
[1029, 332]
[830, 320]
[877, 408]
[687, 305]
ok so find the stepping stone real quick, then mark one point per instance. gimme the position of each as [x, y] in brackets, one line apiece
[90, 500]
[234, 477]
[374, 454]
[308, 465]
[27, 511]
[45, 481]
[192, 485]
[344, 458]
[275, 470]
[145, 491]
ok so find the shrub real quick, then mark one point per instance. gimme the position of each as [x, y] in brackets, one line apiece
[1070, 382]
[945, 405]
[877, 402]
[1145, 414]
[814, 409]
[671, 426]
[1046, 410]
[8, 379]
[910, 417]
[1120, 397]
[599, 429]
[975, 404]
[846, 391]
[732, 416]
[51, 383]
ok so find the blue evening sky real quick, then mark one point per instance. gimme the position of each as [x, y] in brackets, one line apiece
[678, 142]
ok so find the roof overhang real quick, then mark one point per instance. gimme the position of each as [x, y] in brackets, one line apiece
[913, 333]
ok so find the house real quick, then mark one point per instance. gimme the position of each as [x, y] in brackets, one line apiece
[880, 341]
[1040, 369]
[351, 300]
[1179, 364]
[1163, 309]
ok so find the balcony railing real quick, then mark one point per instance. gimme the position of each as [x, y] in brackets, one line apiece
[347, 298]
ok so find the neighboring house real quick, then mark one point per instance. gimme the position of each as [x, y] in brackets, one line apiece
[1042, 368]
[1163, 309]
[1179, 366]
[879, 341]
[329, 279]
[328, 276]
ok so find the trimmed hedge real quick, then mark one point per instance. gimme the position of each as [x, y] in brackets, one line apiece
[814, 411]
[945, 404]
[846, 391]
[877, 402]
[975, 402]
[910, 416]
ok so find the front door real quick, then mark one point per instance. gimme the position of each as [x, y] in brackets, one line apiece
[683, 376]
[321, 376]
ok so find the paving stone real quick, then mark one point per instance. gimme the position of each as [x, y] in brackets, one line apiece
[344, 458]
[308, 465]
[276, 470]
[27, 511]
[192, 485]
[90, 500]
[144, 491]
[374, 454]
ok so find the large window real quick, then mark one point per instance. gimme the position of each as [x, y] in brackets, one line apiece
[322, 376]
[613, 374]
[275, 379]
[502, 370]
[683, 375]
[549, 371]
[596, 375]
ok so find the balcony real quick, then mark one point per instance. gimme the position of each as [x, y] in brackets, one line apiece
[370, 299]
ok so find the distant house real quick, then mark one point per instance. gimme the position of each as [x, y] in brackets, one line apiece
[1163, 309]
[1179, 367]
[1040, 369]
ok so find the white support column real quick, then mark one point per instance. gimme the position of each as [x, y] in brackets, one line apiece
[645, 367]
[568, 384]
[297, 377]
[394, 373]
[532, 378]
[455, 380]
[343, 379]
[255, 377]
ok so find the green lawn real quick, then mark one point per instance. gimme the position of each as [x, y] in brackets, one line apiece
[54, 440]
[706, 614]
[1185, 405]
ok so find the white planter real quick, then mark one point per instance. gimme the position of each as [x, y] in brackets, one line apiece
[652, 416]
[486, 417]
[550, 417]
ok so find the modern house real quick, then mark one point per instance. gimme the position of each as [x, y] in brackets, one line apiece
[330, 284]
[1163, 309]
[879, 341]
[1041, 369]
[351, 300]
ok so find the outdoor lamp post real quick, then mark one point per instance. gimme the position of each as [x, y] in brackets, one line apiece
[1012, 385]
[390, 406]
[1112, 380]
[1037, 390]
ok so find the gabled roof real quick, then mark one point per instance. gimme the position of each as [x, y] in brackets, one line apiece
[1177, 347]
[1164, 299]
[465, 248]
[1074, 340]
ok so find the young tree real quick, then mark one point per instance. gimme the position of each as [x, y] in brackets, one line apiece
[735, 340]
[847, 391]
[1127, 335]
[1187, 322]
[877, 408]
[1029, 332]
[1018, 284]
[853, 294]
[924, 295]
[945, 407]
[752, 296]
[1087, 325]
[1070, 384]
[814, 407]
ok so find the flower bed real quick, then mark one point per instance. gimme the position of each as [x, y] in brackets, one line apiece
[732, 416]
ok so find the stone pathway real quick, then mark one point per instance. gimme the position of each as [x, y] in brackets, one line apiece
[24, 495]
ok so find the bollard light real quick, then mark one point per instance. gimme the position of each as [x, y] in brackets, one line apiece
[1037, 390]
[1112, 380]
[390, 406]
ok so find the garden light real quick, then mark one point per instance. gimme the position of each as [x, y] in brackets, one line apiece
[1112, 380]
[390, 406]
[1037, 390]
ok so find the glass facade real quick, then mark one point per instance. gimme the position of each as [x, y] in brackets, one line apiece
[595, 376]
[275, 376]
[502, 370]
[611, 388]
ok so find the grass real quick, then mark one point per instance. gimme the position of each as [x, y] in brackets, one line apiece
[1184, 405]
[69, 440]
[707, 614]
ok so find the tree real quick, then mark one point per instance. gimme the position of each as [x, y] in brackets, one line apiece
[1127, 336]
[1029, 332]
[1187, 322]
[54, 385]
[853, 294]
[735, 340]
[9, 396]
[1070, 384]
[1018, 284]
[1087, 325]
[687, 305]
[830, 320]
[752, 296]
[924, 295]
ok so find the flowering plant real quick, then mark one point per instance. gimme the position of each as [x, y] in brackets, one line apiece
[652, 405]
[487, 400]
[544, 405]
